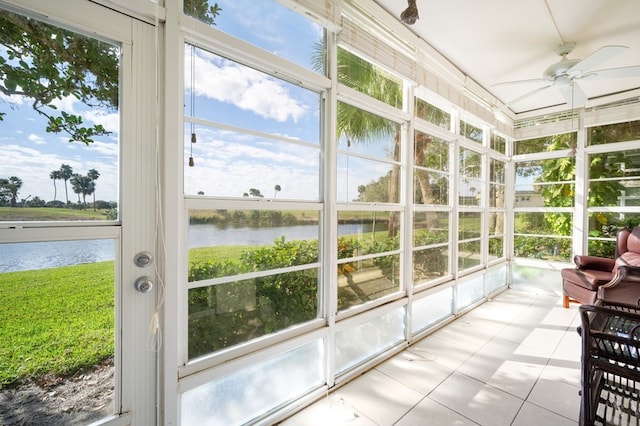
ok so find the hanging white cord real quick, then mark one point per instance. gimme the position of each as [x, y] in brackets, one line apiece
[155, 329]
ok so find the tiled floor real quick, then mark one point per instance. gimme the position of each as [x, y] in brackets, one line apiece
[514, 360]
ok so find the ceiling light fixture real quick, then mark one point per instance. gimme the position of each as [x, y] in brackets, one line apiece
[410, 15]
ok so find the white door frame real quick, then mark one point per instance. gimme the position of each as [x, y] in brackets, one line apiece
[136, 395]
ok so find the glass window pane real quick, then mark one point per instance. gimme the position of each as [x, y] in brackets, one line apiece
[367, 133]
[548, 183]
[369, 79]
[496, 248]
[282, 31]
[361, 233]
[618, 132]
[231, 242]
[365, 280]
[496, 171]
[59, 124]
[431, 188]
[469, 255]
[496, 278]
[539, 247]
[496, 195]
[57, 316]
[225, 91]
[543, 223]
[430, 264]
[431, 183]
[226, 314]
[613, 178]
[470, 291]
[368, 339]
[498, 143]
[432, 114]
[470, 131]
[547, 143]
[603, 228]
[430, 228]
[469, 225]
[362, 180]
[233, 164]
[429, 310]
[240, 396]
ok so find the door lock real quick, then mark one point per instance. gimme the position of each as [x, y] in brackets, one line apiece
[143, 284]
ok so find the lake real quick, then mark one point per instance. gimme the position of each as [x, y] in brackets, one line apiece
[25, 256]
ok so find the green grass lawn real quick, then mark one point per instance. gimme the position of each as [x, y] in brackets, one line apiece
[55, 321]
[49, 213]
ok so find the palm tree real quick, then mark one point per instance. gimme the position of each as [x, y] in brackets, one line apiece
[93, 174]
[66, 172]
[55, 175]
[13, 185]
[277, 189]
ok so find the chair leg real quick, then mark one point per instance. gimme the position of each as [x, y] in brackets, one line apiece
[565, 301]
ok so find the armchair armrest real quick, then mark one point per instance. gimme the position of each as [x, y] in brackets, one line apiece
[624, 288]
[594, 262]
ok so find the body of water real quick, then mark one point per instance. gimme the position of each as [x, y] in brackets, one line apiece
[25, 256]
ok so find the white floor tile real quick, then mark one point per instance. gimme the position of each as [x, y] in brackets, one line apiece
[556, 396]
[532, 415]
[414, 371]
[477, 401]
[380, 398]
[429, 412]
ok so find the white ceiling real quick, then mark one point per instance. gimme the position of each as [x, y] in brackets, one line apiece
[495, 41]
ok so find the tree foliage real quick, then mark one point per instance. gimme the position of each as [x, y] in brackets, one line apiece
[46, 64]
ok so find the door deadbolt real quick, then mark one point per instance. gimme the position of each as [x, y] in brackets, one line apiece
[143, 284]
[143, 259]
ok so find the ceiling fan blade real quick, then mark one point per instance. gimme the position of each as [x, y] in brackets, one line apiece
[596, 58]
[573, 94]
[532, 80]
[633, 71]
[523, 97]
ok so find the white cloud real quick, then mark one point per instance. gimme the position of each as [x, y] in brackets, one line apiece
[245, 88]
[38, 140]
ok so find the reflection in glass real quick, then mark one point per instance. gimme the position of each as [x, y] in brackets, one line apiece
[58, 324]
[247, 393]
[469, 255]
[368, 339]
[369, 79]
[233, 164]
[362, 180]
[227, 314]
[547, 143]
[432, 114]
[240, 18]
[364, 280]
[498, 143]
[430, 263]
[470, 131]
[618, 132]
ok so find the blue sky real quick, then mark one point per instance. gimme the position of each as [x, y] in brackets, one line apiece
[226, 163]
[226, 93]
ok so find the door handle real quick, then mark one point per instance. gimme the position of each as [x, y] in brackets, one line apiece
[143, 284]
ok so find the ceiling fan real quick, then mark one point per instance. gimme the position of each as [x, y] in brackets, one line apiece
[564, 74]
